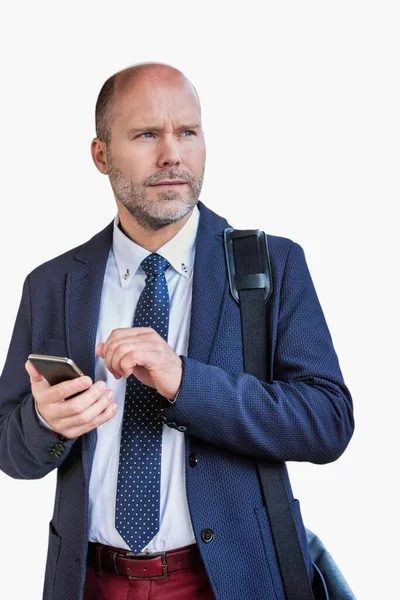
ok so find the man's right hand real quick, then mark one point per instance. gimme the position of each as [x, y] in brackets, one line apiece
[92, 407]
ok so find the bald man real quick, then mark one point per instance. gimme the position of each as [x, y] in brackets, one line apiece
[157, 491]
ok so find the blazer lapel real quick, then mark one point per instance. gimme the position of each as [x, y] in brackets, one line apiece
[82, 305]
[210, 284]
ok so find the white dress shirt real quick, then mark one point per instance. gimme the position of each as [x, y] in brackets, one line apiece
[124, 281]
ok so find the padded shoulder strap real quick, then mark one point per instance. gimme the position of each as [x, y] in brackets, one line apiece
[250, 279]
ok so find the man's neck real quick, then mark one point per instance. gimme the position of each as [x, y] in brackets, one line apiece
[148, 238]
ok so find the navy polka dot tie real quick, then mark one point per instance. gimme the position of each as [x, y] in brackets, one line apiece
[137, 512]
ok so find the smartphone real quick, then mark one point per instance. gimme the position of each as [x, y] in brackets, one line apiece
[55, 369]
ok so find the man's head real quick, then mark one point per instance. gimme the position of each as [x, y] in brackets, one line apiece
[148, 127]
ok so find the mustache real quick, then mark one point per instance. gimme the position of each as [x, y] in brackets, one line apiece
[172, 175]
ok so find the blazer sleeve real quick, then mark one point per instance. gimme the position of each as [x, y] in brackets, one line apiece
[305, 414]
[24, 441]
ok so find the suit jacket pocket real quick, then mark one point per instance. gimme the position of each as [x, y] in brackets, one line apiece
[54, 347]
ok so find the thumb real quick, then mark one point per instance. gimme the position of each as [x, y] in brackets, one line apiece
[34, 374]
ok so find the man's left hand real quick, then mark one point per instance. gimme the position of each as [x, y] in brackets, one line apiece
[143, 352]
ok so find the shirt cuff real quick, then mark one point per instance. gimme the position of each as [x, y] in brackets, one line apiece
[44, 423]
[173, 400]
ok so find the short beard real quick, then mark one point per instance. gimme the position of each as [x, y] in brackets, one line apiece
[169, 206]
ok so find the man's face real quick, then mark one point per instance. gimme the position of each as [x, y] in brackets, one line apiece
[156, 135]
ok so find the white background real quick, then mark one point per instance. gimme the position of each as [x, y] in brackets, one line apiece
[301, 116]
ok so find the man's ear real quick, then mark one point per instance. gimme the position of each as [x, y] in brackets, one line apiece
[98, 149]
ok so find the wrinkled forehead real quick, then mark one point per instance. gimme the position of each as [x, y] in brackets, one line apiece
[153, 98]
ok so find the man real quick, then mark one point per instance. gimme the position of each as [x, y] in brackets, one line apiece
[157, 491]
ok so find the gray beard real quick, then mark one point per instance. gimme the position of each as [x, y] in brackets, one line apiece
[153, 215]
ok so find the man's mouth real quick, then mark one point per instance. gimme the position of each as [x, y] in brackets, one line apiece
[164, 183]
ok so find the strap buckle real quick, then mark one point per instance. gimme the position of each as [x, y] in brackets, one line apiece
[262, 280]
[143, 556]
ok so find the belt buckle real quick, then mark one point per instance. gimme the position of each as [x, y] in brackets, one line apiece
[143, 555]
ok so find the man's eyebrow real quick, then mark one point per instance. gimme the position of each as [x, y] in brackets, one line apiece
[142, 128]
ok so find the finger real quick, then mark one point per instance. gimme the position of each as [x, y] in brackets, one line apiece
[123, 351]
[99, 350]
[108, 359]
[60, 391]
[82, 402]
[126, 332]
[133, 355]
[34, 375]
[149, 359]
[115, 335]
[116, 350]
[89, 412]
[112, 352]
[98, 420]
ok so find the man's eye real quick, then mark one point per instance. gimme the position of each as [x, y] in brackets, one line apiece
[187, 131]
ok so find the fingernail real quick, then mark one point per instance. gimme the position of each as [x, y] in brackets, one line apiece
[102, 385]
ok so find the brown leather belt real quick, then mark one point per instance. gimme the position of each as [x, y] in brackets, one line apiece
[142, 566]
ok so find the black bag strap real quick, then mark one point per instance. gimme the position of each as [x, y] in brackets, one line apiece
[250, 280]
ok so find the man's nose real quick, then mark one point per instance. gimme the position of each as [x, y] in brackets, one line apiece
[169, 153]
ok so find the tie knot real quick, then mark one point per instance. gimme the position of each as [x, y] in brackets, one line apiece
[155, 264]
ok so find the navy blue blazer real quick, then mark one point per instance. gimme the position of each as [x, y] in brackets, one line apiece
[229, 417]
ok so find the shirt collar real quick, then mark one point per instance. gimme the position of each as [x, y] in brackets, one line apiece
[179, 251]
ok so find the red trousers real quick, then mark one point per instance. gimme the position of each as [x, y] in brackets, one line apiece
[188, 584]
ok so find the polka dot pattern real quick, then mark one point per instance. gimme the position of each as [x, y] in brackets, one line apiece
[137, 512]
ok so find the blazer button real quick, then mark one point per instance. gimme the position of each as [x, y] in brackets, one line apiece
[207, 535]
[193, 459]
[182, 428]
